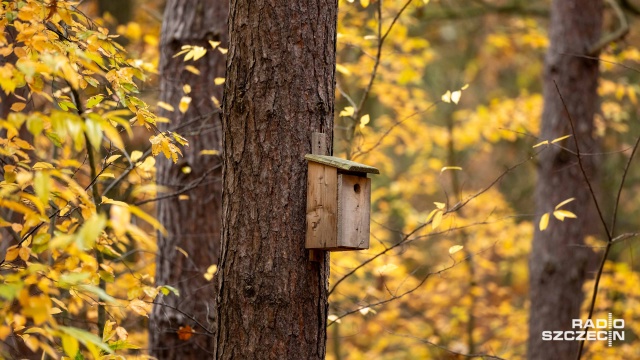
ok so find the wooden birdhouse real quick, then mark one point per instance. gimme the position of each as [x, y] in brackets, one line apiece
[338, 203]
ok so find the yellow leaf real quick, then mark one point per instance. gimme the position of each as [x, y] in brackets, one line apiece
[632, 96]
[455, 96]
[562, 214]
[136, 155]
[455, 248]
[108, 331]
[55, 311]
[334, 318]
[348, 111]
[70, 345]
[223, 51]
[198, 52]
[437, 219]
[122, 333]
[544, 222]
[113, 158]
[59, 303]
[433, 212]
[366, 310]
[446, 97]
[560, 139]
[186, 88]
[546, 142]
[364, 120]
[192, 69]
[211, 271]
[24, 253]
[5, 331]
[214, 44]
[450, 168]
[209, 152]
[218, 81]
[564, 203]
[182, 251]
[42, 166]
[184, 104]
[18, 106]
[12, 253]
[139, 307]
[386, 268]
[439, 205]
[364, 3]
[148, 218]
[342, 69]
[164, 105]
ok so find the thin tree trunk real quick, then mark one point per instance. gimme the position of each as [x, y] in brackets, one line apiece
[193, 224]
[558, 264]
[272, 301]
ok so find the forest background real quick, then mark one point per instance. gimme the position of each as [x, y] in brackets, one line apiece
[444, 97]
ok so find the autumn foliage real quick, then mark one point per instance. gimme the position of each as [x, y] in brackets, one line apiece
[448, 110]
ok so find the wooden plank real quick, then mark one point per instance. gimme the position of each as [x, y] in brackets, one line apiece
[343, 164]
[322, 211]
[354, 206]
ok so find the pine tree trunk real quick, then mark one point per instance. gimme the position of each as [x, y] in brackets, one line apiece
[193, 224]
[558, 264]
[272, 301]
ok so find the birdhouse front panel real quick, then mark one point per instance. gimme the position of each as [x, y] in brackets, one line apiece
[354, 207]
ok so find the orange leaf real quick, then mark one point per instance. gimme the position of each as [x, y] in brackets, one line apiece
[185, 332]
[19, 106]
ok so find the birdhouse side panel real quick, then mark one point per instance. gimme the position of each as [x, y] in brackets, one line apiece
[354, 207]
[322, 207]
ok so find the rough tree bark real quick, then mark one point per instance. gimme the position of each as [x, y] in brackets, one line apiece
[558, 265]
[194, 224]
[272, 301]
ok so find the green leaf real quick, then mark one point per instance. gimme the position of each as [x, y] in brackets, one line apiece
[55, 138]
[42, 185]
[165, 289]
[94, 132]
[94, 100]
[10, 291]
[90, 230]
[97, 291]
[122, 345]
[73, 278]
[35, 125]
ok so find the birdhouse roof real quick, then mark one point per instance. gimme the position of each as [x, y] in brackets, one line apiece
[343, 164]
